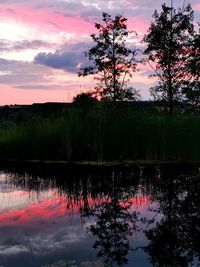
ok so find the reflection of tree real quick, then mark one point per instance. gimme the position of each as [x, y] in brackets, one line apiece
[174, 241]
[191, 210]
[113, 224]
[103, 195]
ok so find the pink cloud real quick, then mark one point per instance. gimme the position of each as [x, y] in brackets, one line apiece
[55, 21]
[58, 207]
[197, 7]
[45, 209]
[44, 19]
[139, 24]
[126, 2]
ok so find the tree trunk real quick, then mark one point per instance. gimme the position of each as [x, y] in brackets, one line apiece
[170, 87]
[114, 68]
[170, 94]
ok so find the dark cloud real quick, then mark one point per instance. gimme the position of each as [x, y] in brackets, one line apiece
[25, 44]
[43, 87]
[66, 61]
[128, 8]
[14, 72]
[70, 59]
[6, 45]
[31, 76]
[34, 86]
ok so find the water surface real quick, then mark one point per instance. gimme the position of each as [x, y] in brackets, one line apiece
[139, 217]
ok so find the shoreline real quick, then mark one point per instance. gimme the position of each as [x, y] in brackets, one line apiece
[88, 163]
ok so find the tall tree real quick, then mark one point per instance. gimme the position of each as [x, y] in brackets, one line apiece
[192, 86]
[168, 47]
[113, 62]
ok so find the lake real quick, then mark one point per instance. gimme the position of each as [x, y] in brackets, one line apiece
[133, 216]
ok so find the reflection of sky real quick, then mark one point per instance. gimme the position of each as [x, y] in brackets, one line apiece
[37, 229]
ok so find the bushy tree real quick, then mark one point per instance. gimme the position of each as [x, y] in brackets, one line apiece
[84, 100]
[113, 62]
[169, 41]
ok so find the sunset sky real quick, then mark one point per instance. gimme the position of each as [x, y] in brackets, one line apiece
[42, 44]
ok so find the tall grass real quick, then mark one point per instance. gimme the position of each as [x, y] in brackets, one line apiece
[103, 134]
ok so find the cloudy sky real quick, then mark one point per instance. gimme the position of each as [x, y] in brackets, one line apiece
[42, 44]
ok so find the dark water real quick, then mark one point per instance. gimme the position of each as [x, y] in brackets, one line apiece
[124, 217]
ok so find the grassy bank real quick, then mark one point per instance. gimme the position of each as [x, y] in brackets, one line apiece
[102, 134]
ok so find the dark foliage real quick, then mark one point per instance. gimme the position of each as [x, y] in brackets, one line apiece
[85, 100]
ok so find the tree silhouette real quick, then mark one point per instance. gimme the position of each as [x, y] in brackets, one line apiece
[174, 239]
[113, 62]
[168, 48]
[84, 100]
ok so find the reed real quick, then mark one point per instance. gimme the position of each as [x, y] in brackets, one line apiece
[103, 134]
